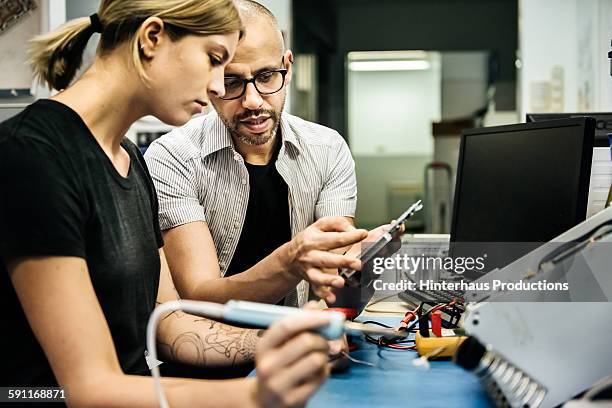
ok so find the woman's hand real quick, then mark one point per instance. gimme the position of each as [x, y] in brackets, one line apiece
[291, 361]
[338, 352]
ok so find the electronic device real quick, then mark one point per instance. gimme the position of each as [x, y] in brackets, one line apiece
[521, 349]
[518, 186]
[601, 172]
[369, 251]
[524, 183]
[437, 342]
[430, 245]
[603, 123]
[424, 300]
[442, 346]
[546, 256]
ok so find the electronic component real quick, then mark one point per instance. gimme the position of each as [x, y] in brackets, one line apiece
[443, 346]
[371, 250]
[525, 356]
[436, 342]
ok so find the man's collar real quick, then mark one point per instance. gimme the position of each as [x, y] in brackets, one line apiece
[287, 132]
[218, 136]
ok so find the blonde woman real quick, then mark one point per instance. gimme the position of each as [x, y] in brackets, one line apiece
[82, 264]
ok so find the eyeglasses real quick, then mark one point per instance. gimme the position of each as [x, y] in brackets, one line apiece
[266, 83]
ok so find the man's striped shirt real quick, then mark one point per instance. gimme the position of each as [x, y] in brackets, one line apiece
[199, 176]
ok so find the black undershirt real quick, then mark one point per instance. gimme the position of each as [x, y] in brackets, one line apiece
[266, 225]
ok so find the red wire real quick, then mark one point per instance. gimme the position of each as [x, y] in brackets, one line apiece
[438, 307]
[407, 319]
[409, 316]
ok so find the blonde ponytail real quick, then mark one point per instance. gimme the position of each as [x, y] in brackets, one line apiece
[55, 57]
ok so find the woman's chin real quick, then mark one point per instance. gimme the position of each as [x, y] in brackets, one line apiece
[178, 119]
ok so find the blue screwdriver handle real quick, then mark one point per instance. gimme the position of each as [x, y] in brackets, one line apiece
[263, 315]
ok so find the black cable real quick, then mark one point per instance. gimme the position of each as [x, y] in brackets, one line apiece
[393, 340]
[382, 342]
[377, 324]
[424, 316]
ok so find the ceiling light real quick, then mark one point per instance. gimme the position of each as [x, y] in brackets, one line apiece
[411, 65]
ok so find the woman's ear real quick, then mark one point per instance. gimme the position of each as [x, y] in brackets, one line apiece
[151, 36]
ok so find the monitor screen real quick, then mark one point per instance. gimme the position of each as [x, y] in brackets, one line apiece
[603, 123]
[524, 183]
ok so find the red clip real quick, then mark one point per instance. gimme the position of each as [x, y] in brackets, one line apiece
[408, 317]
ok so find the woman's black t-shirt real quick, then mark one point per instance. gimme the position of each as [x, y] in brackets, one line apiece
[60, 195]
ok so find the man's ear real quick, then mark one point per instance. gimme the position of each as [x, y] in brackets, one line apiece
[151, 36]
[288, 58]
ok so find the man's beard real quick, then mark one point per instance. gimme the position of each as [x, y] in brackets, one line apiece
[249, 139]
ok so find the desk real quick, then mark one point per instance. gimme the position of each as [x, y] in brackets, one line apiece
[394, 382]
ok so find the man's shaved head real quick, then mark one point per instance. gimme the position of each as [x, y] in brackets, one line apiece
[254, 118]
[253, 13]
[252, 9]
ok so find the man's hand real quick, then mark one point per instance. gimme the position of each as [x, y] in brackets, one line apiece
[376, 233]
[357, 297]
[291, 361]
[308, 253]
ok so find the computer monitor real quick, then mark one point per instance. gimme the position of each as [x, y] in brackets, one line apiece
[603, 123]
[524, 183]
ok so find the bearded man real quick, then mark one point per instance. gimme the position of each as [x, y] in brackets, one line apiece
[240, 187]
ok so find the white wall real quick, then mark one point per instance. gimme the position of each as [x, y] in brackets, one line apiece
[390, 112]
[13, 44]
[575, 36]
[603, 40]
[13, 58]
[53, 14]
[464, 83]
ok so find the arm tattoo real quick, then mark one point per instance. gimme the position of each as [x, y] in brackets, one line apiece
[210, 344]
[217, 345]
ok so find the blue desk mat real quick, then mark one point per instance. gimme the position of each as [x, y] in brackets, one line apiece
[395, 382]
